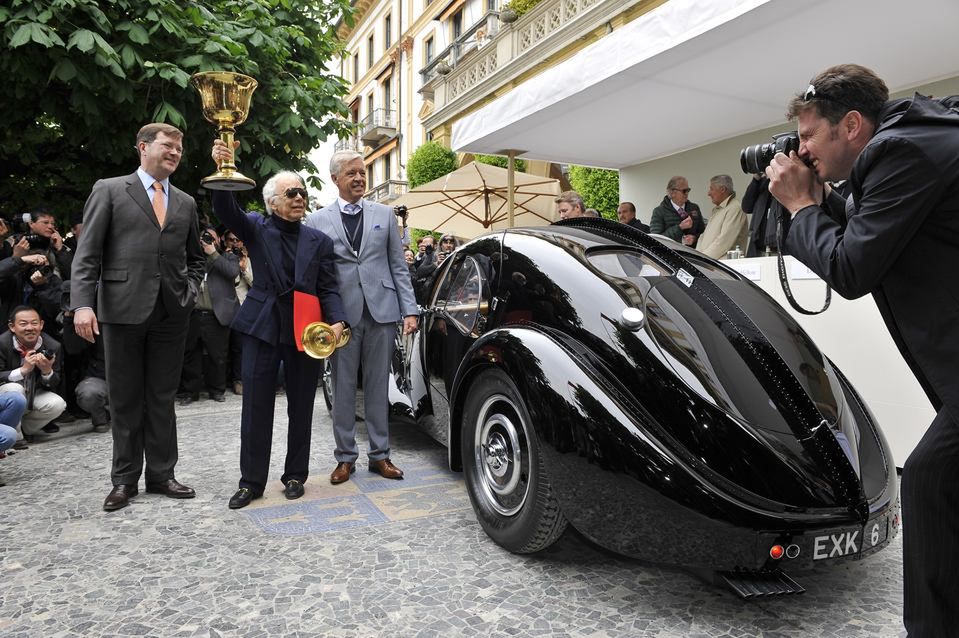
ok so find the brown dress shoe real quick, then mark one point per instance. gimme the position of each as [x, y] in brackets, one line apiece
[119, 497]
[342, 473]
[171, 488]
[386, 469]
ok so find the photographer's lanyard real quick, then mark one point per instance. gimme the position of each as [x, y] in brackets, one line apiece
[780, 262]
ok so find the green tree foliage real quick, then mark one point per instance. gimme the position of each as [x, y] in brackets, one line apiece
[522, 6]
[82, 76]
[428, 162]
[598, 187]
[500, 160]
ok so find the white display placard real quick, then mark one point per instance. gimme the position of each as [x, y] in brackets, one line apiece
[799, 270]
[752, 271]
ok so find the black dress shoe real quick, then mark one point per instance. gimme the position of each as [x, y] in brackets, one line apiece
[21, 445]
[50, 428]
[171, 488]
[65, 417]
[293, 490]
[242, 498]
[218, 397]
[190, 398]
[119, 497]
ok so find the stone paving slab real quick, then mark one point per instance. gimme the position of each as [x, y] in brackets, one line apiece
[367, 558]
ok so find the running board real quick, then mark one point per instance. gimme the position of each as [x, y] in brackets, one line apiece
[752, 584]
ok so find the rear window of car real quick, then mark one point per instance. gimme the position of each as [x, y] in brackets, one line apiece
[627, 264]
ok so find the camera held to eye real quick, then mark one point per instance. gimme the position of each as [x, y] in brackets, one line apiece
[45, 270]
[36, 241]
[755, 158]
[401, 211]
[207, 238]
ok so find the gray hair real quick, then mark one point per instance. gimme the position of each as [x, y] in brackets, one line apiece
[674, 182]
[592, 212]
[340, 158]
[724, 182]
[269, 189]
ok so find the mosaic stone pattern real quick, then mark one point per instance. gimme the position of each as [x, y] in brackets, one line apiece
[367, 558]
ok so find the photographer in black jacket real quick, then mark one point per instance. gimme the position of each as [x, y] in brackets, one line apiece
[208, 336]
[897, 237]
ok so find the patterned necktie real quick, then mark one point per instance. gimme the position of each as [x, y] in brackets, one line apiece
[351, 209]
[682, 212]
[159, 209]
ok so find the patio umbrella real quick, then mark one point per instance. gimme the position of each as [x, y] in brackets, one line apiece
[473, 200]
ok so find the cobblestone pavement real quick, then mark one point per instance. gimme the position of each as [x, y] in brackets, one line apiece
[370, 557]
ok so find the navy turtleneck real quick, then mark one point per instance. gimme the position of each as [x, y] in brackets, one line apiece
[289, 235]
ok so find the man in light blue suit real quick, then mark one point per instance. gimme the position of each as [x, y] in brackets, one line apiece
[375, 286]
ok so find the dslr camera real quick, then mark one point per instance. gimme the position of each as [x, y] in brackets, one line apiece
[754, 159]
[45, 352]
[44, 269]
[207, 238]
[400, 211]
[36, 241]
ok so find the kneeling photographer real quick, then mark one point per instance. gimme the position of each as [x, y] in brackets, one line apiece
[897, 237]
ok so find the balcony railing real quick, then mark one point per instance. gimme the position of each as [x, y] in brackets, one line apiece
[377, 127]
[472, 39]
[387, 191]
[547, 29]
[349, 144]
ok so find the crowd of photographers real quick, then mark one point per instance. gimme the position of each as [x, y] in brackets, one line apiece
[49, 376]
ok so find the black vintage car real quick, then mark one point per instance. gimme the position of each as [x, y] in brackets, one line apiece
[654, 399]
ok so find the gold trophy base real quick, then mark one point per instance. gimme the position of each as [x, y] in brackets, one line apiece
[228, 181]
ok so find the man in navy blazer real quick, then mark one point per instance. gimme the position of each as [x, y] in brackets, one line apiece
[286, 257]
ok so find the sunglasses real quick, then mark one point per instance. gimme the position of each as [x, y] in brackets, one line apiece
[293, 192]
[684, 191]
[812, 94]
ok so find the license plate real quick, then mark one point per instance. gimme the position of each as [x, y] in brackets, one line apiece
[851, 541]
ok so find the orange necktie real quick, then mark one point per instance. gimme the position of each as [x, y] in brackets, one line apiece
[159, 209]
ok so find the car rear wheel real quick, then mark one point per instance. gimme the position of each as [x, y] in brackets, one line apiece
[505, 477]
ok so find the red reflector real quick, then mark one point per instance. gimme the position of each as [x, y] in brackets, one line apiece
[776, 552]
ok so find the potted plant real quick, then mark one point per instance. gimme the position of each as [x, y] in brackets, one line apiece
[507, 15]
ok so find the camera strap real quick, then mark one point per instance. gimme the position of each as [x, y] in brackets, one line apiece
[784, 281]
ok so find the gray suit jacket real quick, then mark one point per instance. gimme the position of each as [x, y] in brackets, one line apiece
[125, 254]
[378, 275]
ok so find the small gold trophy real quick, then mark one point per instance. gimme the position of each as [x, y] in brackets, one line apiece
[226, 102]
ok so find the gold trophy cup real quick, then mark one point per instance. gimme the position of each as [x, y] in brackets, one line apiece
[226, 102]
[318, 340]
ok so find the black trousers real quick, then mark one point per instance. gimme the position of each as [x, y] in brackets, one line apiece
[930, 518]
[204, 360]
[261, 362]
[143, 368]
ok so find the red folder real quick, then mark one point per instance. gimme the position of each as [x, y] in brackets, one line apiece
[306, 310]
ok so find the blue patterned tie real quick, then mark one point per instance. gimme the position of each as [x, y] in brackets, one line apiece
[352, 209]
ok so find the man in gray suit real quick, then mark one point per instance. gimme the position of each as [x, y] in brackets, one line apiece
[374, 283]
[136, 273]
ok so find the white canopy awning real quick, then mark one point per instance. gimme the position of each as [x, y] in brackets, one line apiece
[692, 72]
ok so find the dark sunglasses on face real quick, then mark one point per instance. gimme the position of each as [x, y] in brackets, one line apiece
[684, 191]
[291, 193]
